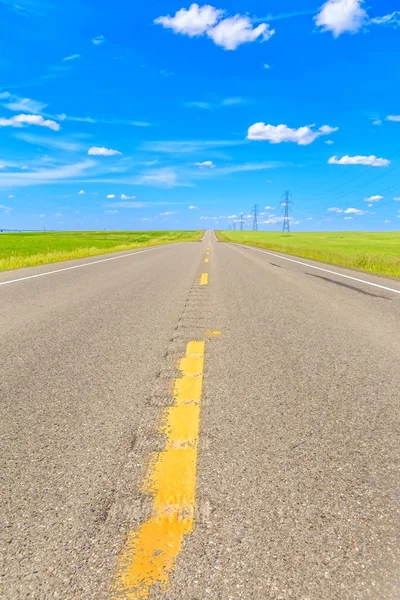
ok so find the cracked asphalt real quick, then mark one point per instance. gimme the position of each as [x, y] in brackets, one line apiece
[298, 480]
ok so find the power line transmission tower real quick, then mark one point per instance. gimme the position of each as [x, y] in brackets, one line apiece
[241, 222]
[286, 203]
[256, 212]
[234, 226]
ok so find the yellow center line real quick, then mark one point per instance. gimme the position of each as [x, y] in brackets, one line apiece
[204, 279]
[150, 553]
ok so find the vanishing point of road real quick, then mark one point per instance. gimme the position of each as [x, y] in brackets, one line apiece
[199, 421]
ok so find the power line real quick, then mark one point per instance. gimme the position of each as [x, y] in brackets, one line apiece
[241, 222]
[286, 203]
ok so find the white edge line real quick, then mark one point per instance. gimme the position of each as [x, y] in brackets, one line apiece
[299, 262]
[95, 262]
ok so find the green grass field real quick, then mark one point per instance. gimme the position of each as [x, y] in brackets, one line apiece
[377, 253]
[30, 249]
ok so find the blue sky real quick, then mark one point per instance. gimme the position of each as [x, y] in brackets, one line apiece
[165, 115]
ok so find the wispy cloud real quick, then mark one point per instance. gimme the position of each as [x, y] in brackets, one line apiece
[43, 176]
[187, 147]
[98, 40]
[67, 144]
[281, 16]
[163, 177]
[71, 57]
[18, 104]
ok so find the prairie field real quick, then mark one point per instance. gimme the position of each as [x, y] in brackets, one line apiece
[19, 250]
[376, 252]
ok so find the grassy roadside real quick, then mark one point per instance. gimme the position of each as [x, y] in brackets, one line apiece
[375, 252]
[19, 250]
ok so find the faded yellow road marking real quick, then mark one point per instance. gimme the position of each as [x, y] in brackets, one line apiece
[204, 279]
[206, 260]
[150, 553]
[212, 333]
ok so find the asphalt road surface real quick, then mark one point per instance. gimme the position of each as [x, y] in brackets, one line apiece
[298, 481]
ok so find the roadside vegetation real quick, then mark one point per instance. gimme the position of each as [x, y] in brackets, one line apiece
[377, 253]
[19, 250]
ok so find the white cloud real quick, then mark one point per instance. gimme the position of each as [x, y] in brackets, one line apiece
[391, 19]
[387, 221]
[371, 161]
[341, 16]
[329, 142]
[167, 214]
[228, 32]
[335, 210]
[81, 193]
[396, 199]
[197, 104]
[282, 133]
[234, 31]
[43, 176]
[111, 196]
[8, 208]
[355, 211]
[10, 196]
[96, 151]
[267, 66]
[192, 22]
[164, 177]
[141, 123]
[25, 105]
[348, 218]
[373, 199]
[42, 216]
[72, 57]
[111, 211]
[377, 122]
[20, 120]
[309, 219]
[98, 40]
[395, 118]
[205, 164]
[5, 95]
[233, 101]
[123, 197]
[193, 207]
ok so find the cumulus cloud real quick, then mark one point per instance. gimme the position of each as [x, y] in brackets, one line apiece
[282, 133]
[395, 118]
[111, 196]
[81, 193]
[98, 40]
[124, 197]
[373, 199]
[96, 151]
[205, 164]
[229, 32]
[193, 207]
[335, 210]
[20, 120]
[377, 122]
[342, 16]
[370, 161]
[355, 211]
[192, 22]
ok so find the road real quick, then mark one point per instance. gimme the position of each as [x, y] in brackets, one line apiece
[295, 366]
